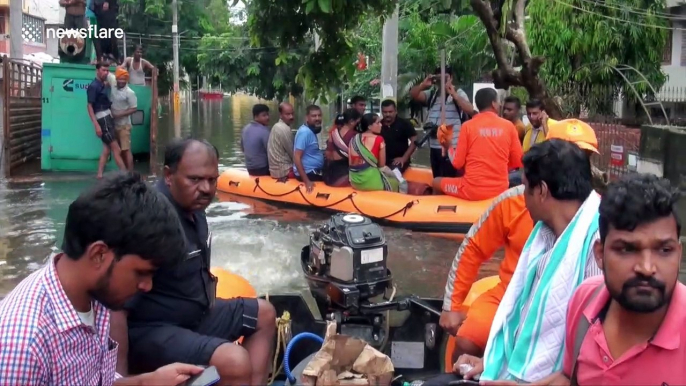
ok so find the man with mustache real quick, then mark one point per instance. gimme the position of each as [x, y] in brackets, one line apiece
[625, 327]
[181, 320]
[308, 159]
[54, 326]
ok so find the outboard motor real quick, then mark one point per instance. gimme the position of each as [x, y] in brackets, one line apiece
[345, 266]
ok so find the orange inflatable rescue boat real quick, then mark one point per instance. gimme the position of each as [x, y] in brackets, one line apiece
[434, 214]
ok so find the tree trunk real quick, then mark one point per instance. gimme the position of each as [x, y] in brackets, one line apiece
[505, 76]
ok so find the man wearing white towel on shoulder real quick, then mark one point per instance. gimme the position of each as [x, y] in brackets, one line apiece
[526, 341]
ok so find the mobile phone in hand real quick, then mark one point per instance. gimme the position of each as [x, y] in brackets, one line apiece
[208, 377]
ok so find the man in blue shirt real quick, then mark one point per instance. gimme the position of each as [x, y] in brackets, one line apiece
[254, 140]
[101, 116]
[308, 159]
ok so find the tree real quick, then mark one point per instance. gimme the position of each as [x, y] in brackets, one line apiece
[580, 40]
[229, 59]
[422, 34]
[292, 24]
[149, 21]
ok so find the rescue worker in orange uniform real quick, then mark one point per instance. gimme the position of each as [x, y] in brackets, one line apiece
[506, 223]
[487, 149]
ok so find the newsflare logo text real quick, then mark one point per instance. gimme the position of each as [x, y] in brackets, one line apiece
[91, 32]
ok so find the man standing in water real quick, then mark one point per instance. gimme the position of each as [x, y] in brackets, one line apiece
[180, 319]
[136, 66]
[55, 325]
[280, 145]
[99, 111]
[124, 103]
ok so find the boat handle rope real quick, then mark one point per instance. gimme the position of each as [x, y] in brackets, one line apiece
[350, 197]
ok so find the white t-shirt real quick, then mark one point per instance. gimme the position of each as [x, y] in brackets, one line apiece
[123, 99]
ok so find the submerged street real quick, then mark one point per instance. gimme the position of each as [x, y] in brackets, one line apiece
[260, 241]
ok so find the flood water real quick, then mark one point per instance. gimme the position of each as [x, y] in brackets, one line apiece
[257, 240]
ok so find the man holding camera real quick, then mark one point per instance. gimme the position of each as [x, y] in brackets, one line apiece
[457, 110]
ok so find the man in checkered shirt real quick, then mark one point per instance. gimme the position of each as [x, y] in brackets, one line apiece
[54, 326]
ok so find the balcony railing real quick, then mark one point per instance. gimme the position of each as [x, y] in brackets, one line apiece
[33, 29]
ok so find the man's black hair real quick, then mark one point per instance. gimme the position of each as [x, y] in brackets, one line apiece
[634, 200]
[177, 147]
[484, 98]
[128, 215]
[259, 109]
[101, 63]
[562, 165]
[515, 100]
[388, 103]
[357, 98]
[312, 108]
[535, 103]
[448, 70]
[138, 46]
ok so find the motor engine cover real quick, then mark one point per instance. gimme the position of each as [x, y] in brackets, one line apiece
[350, 248]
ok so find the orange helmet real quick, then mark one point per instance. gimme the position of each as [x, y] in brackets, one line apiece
[574, 130]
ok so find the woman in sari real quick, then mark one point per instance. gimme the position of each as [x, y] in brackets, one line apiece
[336, 168]
[368, 170]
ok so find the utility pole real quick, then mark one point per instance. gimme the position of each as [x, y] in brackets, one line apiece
[175, 48]
[389, 58]
[16, 41]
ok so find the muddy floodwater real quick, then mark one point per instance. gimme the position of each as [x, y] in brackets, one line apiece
[262, 242]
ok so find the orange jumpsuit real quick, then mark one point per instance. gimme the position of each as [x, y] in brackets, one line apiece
[487, 148]
[506, 223]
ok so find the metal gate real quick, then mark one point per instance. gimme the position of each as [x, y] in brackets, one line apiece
[22, 113]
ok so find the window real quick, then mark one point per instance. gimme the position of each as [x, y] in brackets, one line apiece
[667, 53]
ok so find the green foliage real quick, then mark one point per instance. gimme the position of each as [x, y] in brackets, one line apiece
[146, 18]
[422, 34]
[585, 42]
[290, 24]
[265, 72]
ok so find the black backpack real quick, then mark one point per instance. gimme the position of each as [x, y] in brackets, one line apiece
[433, 98]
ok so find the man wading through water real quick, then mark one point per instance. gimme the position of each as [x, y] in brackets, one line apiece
[180, 319]
[101, 116]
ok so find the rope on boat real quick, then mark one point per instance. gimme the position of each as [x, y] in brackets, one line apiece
[283, 331]
[350, 197]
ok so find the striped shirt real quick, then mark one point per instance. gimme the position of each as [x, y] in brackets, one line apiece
[452, 117]
[44, 342]
[549, 239]
[280, 150]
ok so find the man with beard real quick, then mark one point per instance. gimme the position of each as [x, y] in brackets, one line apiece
[54, 326]
[399, 136]
[537, 129]
[359, 103]
[511, 111]
[308, 159]
[625, 327]
[180, 319]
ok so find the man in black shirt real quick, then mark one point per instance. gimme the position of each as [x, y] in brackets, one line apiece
[399, 135]
[180, 320]
[99, 111]
[106, 17]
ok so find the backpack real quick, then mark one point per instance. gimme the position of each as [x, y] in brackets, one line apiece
[433, 98]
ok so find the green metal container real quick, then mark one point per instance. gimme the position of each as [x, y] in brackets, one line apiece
[69, 142]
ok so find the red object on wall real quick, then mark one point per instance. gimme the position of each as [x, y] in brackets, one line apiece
[361, 62]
